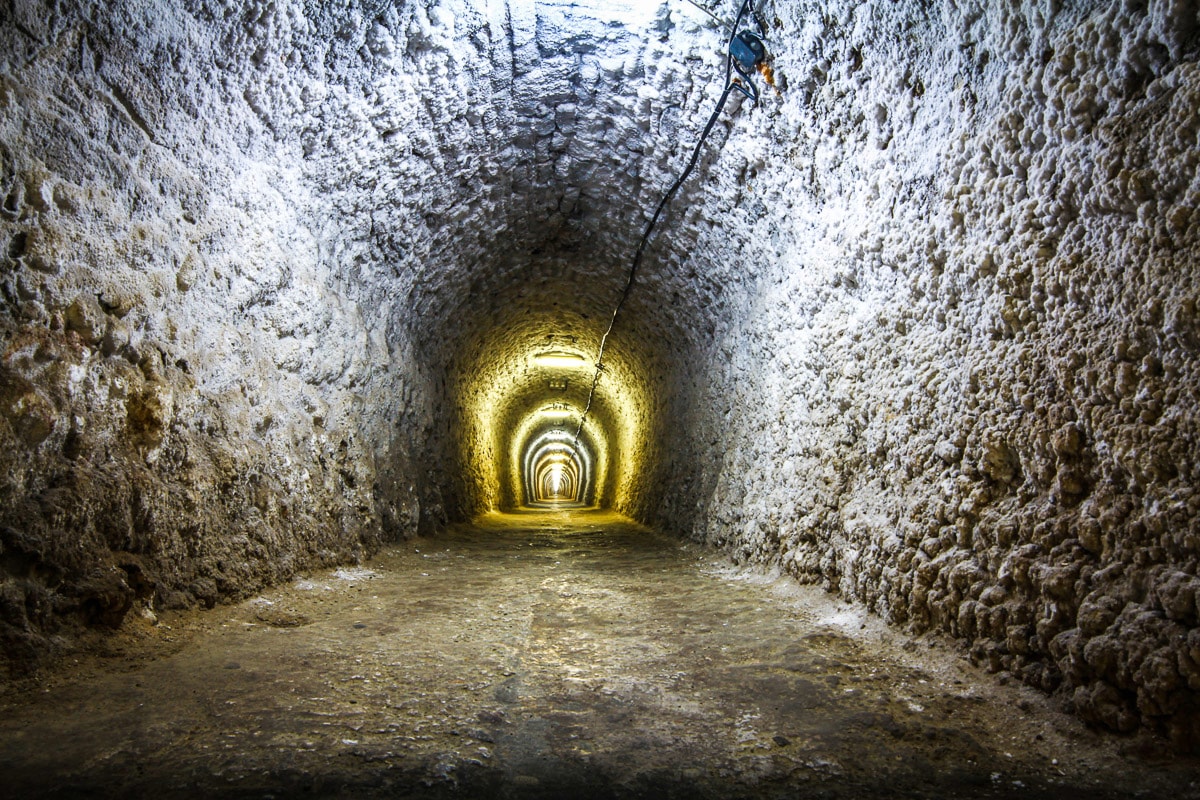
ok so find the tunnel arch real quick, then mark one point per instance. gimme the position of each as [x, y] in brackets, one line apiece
[532, 376]
[557, 446]
[554, 472]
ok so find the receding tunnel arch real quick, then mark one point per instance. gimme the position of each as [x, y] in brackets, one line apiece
[554, 475]
[529, 381]
[557, 469]
[549, 430]
[513, 267]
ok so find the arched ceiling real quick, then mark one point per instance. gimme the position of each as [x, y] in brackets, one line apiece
[494, 164]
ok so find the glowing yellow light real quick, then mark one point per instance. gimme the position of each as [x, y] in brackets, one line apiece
[556, 480]
[559, 358]
[516, 407]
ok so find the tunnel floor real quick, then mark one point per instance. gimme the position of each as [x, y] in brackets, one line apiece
[549, 654]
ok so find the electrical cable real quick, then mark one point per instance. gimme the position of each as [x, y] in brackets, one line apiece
[706, 10]
[730, 84]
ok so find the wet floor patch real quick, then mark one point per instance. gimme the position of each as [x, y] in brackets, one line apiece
[555, 655]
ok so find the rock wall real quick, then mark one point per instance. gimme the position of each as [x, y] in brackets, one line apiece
[964, 389]
[921, 328]
[190, 405]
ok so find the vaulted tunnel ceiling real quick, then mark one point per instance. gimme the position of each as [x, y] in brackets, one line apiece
[503, 159]
[921, 328]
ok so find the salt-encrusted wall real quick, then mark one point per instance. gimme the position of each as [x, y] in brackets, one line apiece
[192, 402]
[921, 328]
[966, 392]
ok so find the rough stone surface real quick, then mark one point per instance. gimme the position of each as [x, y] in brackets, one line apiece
[922, 328]
[963, 389]
[190, 405]
[552, 656]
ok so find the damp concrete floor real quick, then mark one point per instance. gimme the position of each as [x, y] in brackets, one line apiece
[547, 655]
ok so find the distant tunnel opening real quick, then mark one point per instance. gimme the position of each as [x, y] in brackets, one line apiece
[521, 442]
[556, 470]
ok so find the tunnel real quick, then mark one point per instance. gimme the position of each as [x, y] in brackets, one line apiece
[902, 308]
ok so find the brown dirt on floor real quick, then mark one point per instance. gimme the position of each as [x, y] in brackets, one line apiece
[548, 655]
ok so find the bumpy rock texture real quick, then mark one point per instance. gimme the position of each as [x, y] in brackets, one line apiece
[194, 401]
[964, 389]
[923, 328]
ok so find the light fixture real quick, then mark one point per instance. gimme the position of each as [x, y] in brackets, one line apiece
[559, 358]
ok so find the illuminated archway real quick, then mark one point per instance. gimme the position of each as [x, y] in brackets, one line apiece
[555, 478]
[553, 468]
[520, 399]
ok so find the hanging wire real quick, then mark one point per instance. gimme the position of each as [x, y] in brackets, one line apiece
[746, 86]
[706, 10]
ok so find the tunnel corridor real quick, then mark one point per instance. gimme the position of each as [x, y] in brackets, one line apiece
[549, 654]
[711, 314]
